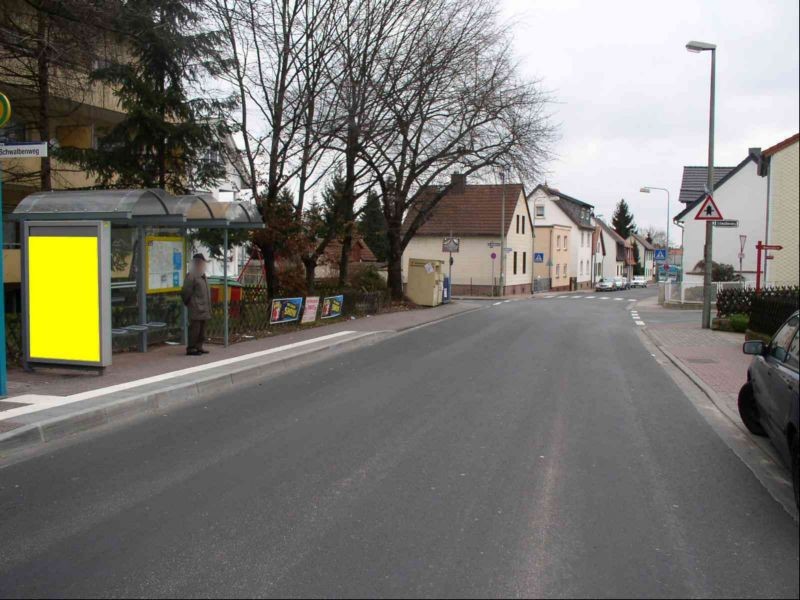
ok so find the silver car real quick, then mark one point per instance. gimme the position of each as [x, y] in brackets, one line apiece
[605, 285]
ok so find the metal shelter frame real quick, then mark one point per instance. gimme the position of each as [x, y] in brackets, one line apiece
[140, 209]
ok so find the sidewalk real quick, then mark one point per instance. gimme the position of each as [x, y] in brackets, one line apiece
[51, 404]
[712, 359]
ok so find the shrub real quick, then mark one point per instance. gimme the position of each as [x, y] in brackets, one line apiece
[769, 311]
[739, 322]
[368, 279]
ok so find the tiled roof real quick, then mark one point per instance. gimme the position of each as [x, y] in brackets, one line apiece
[694, 181]
[620, 242]
[642, 241]
[718, 184]
[781, 145]
[474, 212]
[579, 211]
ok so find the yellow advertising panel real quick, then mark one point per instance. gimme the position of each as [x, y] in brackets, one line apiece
[64, 303]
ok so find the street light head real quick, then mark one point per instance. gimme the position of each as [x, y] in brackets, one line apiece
[694, 46]
[645, 190]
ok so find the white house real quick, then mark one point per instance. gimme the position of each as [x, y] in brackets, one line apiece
[550, 207]
[646, 255]
[741, 195]
[618, 258]
[780, 167]
[472, 213]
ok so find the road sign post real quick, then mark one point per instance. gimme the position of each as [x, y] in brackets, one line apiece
[765, 248]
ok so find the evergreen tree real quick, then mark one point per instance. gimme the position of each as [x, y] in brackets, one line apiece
[168, 139]
[372, 226]
[622, 221]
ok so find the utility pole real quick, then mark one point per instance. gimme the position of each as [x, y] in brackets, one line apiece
[503, 234]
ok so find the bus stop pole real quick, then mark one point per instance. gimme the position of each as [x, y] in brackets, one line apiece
[141, 289]
[3, 371]
[225, 288]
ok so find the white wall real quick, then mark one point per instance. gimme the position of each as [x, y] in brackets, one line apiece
[744, 198]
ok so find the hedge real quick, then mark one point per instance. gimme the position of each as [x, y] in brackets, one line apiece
[767, 310]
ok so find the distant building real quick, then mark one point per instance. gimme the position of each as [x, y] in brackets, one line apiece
[646, 255]
[472, 213]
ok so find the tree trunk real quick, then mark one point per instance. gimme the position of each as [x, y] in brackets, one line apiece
[310, 264]
[344, 259]
[268, 256]
[43, 76]
[395, 260]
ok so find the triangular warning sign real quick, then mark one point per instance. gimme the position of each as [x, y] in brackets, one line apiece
[708, 211]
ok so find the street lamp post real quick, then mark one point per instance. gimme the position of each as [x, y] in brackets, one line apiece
[503, 235]
[646, 190]
[707, 253]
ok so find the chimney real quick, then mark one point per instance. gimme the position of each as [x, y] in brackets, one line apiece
[458, 183]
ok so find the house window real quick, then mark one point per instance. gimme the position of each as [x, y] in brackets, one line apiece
[524, 260]
[558, 242]
[523, 224]
[517, 223]
[582, 241]
[565, 270]
[565, 242]
[540, 211]
[581, 268]
[515, 259]
[558, 271]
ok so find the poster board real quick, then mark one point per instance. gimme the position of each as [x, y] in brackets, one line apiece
[332, 306]
[285, 310]
[310, 313]
[67, 316]
[166, 264]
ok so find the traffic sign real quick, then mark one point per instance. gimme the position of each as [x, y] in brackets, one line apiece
[494, 255]
[666, 266]
[708, 211]
[538, 257]
[726, 223]
[450, 244]
[660, 254]
[5, 109]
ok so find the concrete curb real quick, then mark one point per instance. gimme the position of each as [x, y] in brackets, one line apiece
[115, 408]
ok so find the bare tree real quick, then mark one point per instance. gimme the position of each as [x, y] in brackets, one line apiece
[275, 66]
[449, 98]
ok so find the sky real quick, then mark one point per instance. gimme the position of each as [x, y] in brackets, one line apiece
[631, 102]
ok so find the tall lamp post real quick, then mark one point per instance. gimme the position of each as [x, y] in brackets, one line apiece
[696, 47]
[646, 190]
[503, 235]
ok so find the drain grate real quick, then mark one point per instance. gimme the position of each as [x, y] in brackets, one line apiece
[702, 361]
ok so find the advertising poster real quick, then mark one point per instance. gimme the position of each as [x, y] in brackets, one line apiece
[310, 313]
[285, 310]
[332, 306]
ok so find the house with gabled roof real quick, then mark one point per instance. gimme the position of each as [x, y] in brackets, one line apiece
[695, 179]
[473, 214]
[741, 195]
[551, 209]
[618, 260]
[646, 254]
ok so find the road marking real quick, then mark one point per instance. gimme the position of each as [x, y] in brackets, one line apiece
[618, 299]
[631, 299]
[52, 401]
[551, 296]
[639, 322]
[590, 297]
[577, 297]
[604, 297]
[504, 301]
[496, 303]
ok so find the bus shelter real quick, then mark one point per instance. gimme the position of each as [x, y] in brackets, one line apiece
[84, 250]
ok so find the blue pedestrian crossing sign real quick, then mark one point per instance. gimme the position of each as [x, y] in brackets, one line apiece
[661, 254]
[538, 257]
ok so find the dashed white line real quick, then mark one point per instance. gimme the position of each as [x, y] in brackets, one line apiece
[639, 322]
[591, 297]
[496, 303]
[604, 298]
[618, 299]
[631, 299]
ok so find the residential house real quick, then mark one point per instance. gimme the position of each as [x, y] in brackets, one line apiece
[618, 260]
[647, 257]
[740, 195]
[551, 207]
[552, 252]
[599, 249]
[472, 213]
[780, 169]
[360, 256]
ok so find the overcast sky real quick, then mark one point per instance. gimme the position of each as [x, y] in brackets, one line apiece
[632, 103]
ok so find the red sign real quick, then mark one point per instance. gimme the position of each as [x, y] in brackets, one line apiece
[708, 211]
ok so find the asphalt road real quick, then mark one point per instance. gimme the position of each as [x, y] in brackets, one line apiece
[533, 448]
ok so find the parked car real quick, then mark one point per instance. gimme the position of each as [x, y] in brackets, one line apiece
[620, 283]
[639, 282]
[605, 285]
[769, 402]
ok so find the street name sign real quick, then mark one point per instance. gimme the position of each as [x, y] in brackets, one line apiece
[708, 211]
[493, 244]
[726, 223]
[23, 150]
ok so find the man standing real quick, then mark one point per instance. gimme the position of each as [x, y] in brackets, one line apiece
[197, 298]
